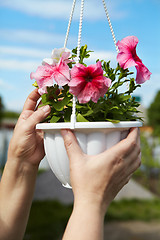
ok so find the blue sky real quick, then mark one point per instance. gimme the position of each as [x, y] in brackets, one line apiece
[30, 29]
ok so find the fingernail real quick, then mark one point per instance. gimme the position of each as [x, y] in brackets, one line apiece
[46, 108]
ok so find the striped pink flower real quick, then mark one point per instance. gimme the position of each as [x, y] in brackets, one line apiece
[45, 75]
[127, 57]
[88, 83]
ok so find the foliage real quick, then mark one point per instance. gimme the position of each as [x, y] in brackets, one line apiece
[124, 210]
[154, 114]
[10, 114]
[149, 172]
[115, 106]
[147, 158]
[1, 109]
[48, 218]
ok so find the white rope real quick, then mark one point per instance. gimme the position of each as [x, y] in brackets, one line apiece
[110, 25]
[113, 34]
[69, 23]
[80, 31]
[73, 116]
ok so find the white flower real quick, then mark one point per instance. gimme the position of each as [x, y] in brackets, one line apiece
[57, 54]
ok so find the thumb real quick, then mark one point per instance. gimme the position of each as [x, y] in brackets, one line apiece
[71, 144]
[38, 116]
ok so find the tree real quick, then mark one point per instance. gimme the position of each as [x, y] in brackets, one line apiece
[1, 109]
[154, 114]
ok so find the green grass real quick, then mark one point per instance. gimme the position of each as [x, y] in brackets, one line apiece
[9, 114]
[143, 210]
[48, 219]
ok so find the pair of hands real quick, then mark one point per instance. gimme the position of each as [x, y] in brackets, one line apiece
[96, 178]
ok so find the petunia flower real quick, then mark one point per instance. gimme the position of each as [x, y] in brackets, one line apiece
[57, 54]
[88, 83]
[127, 57]
[44, 77]
[61, 73]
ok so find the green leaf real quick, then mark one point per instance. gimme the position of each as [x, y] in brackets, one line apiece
[80, 118]
[59, 105]
[88, 113]
[112, 120]
[44, 98]
[67, 115]
[54, 119]
[35, 84]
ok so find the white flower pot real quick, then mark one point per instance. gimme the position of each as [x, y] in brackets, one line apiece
[93, 137]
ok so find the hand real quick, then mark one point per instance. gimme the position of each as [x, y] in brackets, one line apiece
[97, 179]
[27, 142]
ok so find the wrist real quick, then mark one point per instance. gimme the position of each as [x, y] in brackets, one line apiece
[21, 168]
[93, 204]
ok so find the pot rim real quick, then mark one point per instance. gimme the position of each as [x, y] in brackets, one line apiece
[90, 125]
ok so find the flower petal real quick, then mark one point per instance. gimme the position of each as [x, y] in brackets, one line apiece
[61, 73]
[88, 83]
[78, 70]
[44, 77]
[143, 74]
[95, 69]
[127, 56]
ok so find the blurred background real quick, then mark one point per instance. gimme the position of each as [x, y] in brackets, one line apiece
[29, 30]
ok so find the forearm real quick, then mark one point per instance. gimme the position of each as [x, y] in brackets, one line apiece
[16, 192]
[86, 223]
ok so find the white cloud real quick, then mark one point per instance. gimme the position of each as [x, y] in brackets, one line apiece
[39, 53]
[60, 9]
[14, 65]
[30, 65]
[24, 52]
[105, 55]
[36, 37]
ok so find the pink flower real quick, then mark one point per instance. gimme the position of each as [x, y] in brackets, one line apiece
[127, 57]
[61, 73]
[44, 77]
[46, 74]
[88, 83]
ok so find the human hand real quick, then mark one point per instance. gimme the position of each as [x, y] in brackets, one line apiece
[97, 179]
[27, 143]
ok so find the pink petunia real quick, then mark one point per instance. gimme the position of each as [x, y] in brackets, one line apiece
[44, 77]
[88, 83]
[62, 73]
[127, 57]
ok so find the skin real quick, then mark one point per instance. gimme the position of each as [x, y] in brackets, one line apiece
[96, 180]
[17, 184]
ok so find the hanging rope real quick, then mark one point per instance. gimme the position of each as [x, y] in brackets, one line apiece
[110, 25]
[80, 31]
[69, 23]
[73, 116]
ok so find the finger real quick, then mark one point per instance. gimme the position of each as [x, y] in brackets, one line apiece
[136, 163]
[71, 144]
[128, 144]
[37, 117]
[31, 101]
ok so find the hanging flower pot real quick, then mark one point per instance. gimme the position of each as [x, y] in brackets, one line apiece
[93, 138]
[87, 99]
